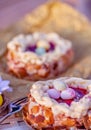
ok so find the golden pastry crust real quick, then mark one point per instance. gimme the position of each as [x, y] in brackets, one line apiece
[45, 71]
[40, 123]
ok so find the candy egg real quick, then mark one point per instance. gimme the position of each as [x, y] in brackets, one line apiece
[53, 93]
[1, 100]
[40, 51]
[31, 48]
[59, 85]
[68, 94]
[43, 44]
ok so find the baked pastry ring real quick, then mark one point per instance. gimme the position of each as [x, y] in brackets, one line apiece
[39, 55]
[63, 103]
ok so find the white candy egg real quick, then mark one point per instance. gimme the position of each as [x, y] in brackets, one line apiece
[59, 85]
[43, 44]
[53, 93]
[68, 94]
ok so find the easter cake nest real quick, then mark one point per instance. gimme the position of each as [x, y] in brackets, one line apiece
[60, 103]
[39, 56]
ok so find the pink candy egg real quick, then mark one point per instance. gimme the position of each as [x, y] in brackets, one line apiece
[53, 93]
[68, 94]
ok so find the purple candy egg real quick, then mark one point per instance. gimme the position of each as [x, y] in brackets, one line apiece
[31, 48]
[52, 46]
[53, 93]
[68, 94]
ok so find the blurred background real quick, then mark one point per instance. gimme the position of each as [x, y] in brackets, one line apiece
[13, 10]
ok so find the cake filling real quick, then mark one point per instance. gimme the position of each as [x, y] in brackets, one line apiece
[68, 95]
[42, 48]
